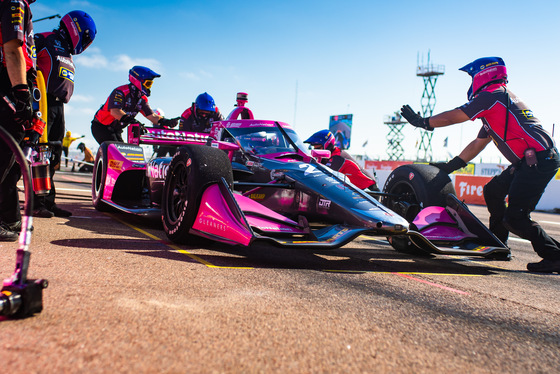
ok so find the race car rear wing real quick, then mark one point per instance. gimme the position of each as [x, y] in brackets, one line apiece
[139, 134]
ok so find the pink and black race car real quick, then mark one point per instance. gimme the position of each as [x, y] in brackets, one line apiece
[251, 180]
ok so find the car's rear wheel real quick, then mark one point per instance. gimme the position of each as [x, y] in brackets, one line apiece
[192, 169]
[412, 188]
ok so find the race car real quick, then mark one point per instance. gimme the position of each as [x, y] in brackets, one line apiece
[251, 180]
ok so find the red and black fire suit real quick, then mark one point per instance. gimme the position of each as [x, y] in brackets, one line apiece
[130, 99]
[54, 60]
[342, 162]
[522, 182]
[15, 23]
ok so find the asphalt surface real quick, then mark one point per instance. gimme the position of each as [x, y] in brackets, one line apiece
[122, 299]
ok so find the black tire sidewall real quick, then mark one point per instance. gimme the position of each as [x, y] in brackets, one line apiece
[99, 177]
[430, 185]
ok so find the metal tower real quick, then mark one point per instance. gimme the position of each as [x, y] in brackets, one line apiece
[395, 136]
[430, 74]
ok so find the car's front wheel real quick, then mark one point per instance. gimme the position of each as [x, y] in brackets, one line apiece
[412, 188]
[192, 170]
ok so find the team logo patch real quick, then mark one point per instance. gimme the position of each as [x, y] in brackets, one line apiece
[66, 74]
[527, 113]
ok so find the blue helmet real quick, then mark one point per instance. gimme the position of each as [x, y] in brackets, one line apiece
[323, 138]
[205, 102]
[204, 109]
[484, 71]
[80, 30]
[142, 78]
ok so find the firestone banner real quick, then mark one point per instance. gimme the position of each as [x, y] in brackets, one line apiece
[341, 127]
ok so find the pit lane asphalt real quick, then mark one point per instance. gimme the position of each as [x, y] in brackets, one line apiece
[122, 299]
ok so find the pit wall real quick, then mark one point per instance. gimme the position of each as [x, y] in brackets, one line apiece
[470, 181]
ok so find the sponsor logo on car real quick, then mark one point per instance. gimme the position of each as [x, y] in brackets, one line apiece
[325, 204]
[115, 165]
[213, 224]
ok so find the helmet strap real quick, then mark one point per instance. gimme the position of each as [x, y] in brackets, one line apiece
[66, 38]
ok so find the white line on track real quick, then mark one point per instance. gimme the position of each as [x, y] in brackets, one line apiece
[66, 189]
[551, 222]
[518, 240]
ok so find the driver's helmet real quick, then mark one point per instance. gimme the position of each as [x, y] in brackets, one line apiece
[204, 108]
[484, 71]
[80, 30]
[142, 78]
[323, 139]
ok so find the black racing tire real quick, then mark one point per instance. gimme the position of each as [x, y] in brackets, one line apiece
[416, 186]
[191, 171]
[99, 177]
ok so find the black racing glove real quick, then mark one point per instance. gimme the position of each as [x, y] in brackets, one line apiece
[122, 123]
[23, 105]
[415, 119]
[449, 167]
[169, 123]
[126, 119]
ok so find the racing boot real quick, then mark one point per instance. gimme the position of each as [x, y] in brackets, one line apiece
[43, 212]
[59, 212]
[544, 266]
[7, 235]
[16, 226]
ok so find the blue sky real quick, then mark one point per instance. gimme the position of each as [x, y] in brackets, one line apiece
[303, 61]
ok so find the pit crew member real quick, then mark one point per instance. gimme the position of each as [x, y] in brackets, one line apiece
[75, 33]
[520, 137]
[124, 103]
[341, 161]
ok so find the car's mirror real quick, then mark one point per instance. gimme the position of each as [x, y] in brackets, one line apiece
[321, 153]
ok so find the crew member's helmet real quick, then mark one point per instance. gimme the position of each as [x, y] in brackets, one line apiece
[142, 78]
[82, 147]
[484, 71]
[204, 107]
[323, 139]
[68, 134]
[79, 29]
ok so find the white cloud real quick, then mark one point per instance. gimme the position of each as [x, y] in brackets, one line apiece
[74, 110]
[196, 76]
[92, 61]
[125, 62]
[189, 76]
[81, 99]
[94, 58]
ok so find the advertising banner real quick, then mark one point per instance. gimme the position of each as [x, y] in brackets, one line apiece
[470, 188]
[341, 127]
[384, 165]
